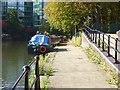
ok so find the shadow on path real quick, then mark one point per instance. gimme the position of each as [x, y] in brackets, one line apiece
[60, 50]
[62, 44]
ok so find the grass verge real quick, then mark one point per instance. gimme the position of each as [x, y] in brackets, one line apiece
[45, 70]
[113, 79]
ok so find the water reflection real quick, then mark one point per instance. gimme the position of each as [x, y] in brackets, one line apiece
[14, 57]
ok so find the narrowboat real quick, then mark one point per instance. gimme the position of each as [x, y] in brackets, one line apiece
[40, 44]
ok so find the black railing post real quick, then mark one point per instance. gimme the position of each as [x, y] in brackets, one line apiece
[95, 37]
[116, 61]
[37, 83]
[86, 33]
[90, 36]
[108, 45]
[99, 39]
[27, 69]
[103, 42]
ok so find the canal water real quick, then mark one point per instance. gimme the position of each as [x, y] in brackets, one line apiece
[14, 57]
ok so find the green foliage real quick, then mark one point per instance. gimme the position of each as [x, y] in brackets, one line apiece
[12, 17]
[13, 23]
[66, 15]
[31, 76]
[49, 69]
[77, 40]
[42, 66]
[42, 62]
[44, 27]
[45, 68]
[97, 59]
[14, 27]
[45, 82]
[114, 79]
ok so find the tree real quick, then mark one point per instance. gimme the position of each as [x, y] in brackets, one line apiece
[14, 27]
[67, 16]
[13, 23]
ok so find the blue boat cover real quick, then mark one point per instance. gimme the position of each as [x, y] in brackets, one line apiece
[39, 40]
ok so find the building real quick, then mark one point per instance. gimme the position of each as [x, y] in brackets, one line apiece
[25, 11]
[4, 10]
[29, 13]
[38, 12]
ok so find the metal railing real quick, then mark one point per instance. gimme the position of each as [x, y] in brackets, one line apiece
[104, 41]
[26, 69]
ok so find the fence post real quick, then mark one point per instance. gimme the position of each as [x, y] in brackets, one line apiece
[103, 42]
[27, 69]
[37, 83]
[90, 36]
[116, 40]
[108, 45]
[118, 33]
[99, 39]
[95, 37]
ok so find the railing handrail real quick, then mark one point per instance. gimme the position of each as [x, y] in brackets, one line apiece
[92, 34]
[18, 80]
[25, 74]
[100, 32]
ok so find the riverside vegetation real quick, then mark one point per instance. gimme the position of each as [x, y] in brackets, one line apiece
[113, 78]
[77, 40]
[45, 69]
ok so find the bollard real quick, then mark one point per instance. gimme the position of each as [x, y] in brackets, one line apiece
[118, 44]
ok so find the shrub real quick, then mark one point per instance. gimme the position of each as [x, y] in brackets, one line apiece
[77, 40]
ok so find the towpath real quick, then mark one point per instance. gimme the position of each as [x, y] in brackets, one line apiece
[74, 70]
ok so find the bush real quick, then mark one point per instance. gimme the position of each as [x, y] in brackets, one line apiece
[77, 40]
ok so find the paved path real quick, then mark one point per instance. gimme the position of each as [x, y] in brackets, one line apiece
[74, 70]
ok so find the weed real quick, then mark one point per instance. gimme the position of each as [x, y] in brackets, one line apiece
[45, 82]
[97, 59]
[49, 69]
[31, 77]
[45, 68]
[77, 40]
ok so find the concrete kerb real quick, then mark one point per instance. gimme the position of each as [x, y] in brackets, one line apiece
[85, 41]
[88, 44]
